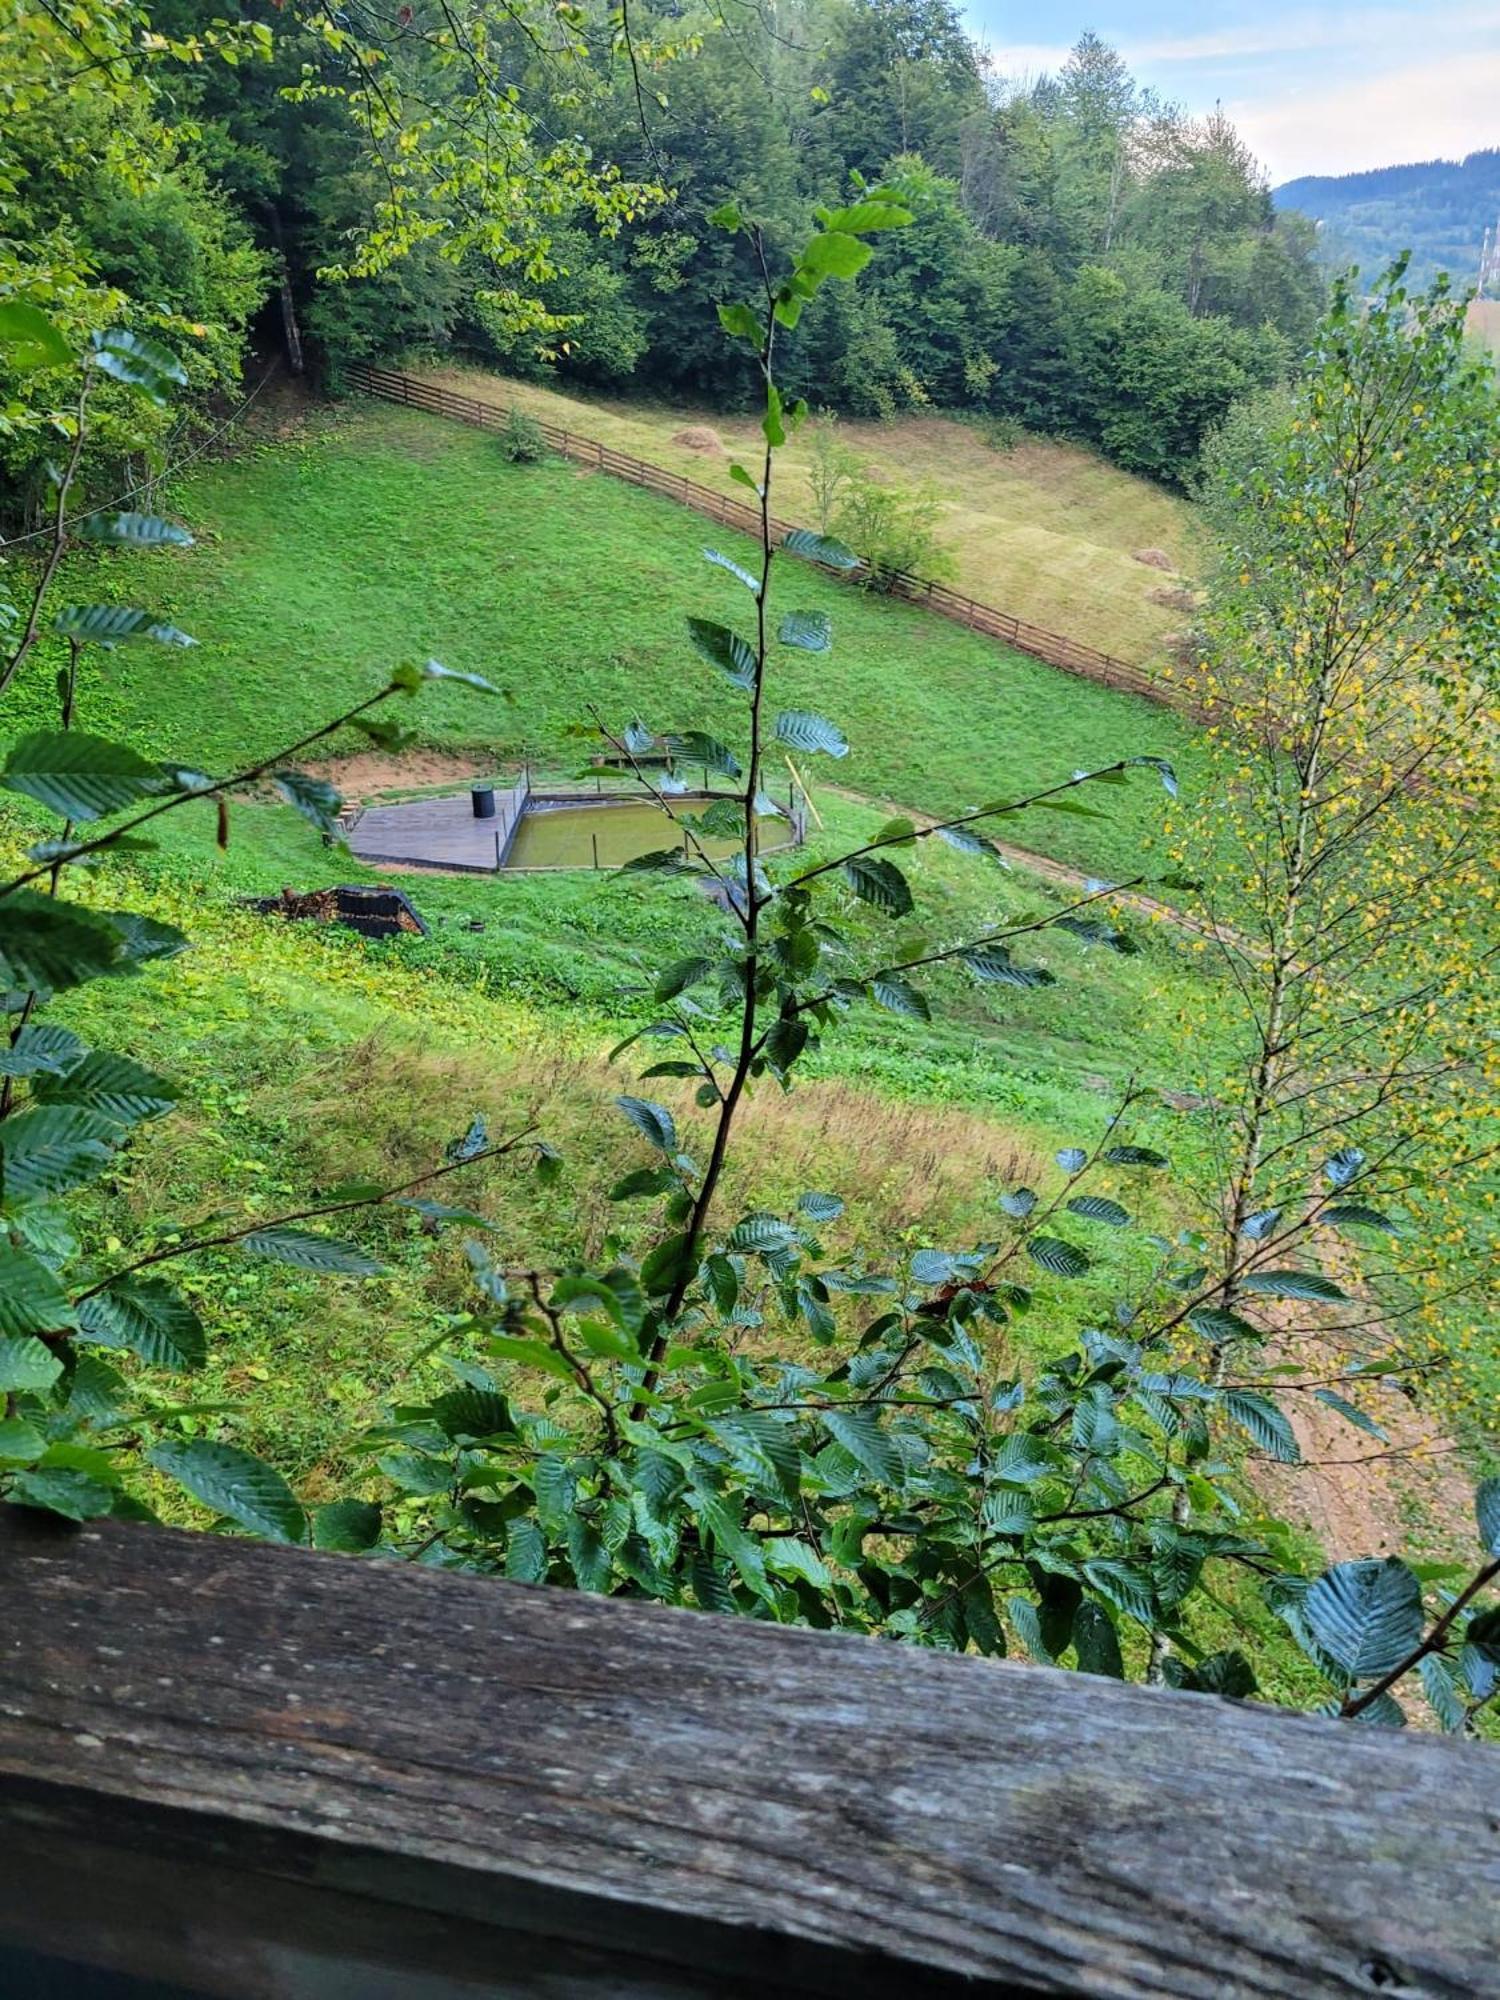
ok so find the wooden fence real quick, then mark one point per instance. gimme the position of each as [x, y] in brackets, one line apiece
[1071, 655]
[230, 1769]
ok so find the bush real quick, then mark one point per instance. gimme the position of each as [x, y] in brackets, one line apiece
[521, 440]
[893, 528]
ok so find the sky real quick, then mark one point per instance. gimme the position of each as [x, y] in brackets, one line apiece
[1313, 89]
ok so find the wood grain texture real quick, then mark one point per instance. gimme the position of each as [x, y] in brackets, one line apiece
[637, 1801]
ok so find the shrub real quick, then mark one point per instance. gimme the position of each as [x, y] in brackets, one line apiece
[521, 440]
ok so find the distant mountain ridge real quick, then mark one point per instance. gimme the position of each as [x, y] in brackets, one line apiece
[1437, 209]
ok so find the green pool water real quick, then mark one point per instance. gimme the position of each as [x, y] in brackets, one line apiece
[605, 835]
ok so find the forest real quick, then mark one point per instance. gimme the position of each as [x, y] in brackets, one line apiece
[984, 1163]
[1438, 210]
[1083, 259]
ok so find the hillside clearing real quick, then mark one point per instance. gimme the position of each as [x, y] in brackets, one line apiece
[328, 557]
[1047, 531]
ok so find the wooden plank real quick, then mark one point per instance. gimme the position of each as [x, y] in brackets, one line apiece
[635, 1801]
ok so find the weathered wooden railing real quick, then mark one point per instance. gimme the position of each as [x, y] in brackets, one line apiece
[229, 1769]
[1071, 655]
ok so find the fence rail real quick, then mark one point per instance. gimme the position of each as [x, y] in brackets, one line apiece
[1071, 656]
[228, 1769]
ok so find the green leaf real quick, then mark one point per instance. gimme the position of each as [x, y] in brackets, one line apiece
[694, 746]
[1217, 1323]
[1022, 1459]
[666, 1264]
[833, 254]
[859, 1432]
[314, 798]
[1136, 1156]
[1352, 1414]
[771, 423]
[27, 1363]
[964, 840]
[743, 478]
[1366, 1616]
[1355, 1215]
[137, 531]
[643, 1181]
[41, 1050]
[28, 339]
[79, 776]
[1293, 1285]
[114, 624]
[876, 880]
[1442, 1693]
[133, 358]
[310, 1252]
[1063, 1260]
[1096, 1642]
[742, 323]
[1228, 1674]
[757, 1234]
[1483, 1635]
[1487, 1513]
[723, 649]
[1098, 1208]
[805, 731]
[736, 570]
[32, 1299]
[143, 939]
[726, 216]
[148, 1318]
[234, 1483]
[653, 1121]
[1023, 1615]
[114, 1086]
[864, 216]
[820, 1207]
[525, 1552]
[52, 1147]
[678, 977]
[789, 1555]
[61, 1490]
[812, 631]
[824, 549]
[763, 1447]
[994, 965]
[1266, 1424]
[898, 996]
[346, 1527]
[1124, 1586]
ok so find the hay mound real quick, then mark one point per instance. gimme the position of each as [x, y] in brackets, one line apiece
[1155, 559]
[698, 437]
[1173, 598]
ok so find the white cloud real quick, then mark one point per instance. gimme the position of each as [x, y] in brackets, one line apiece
[1359, 31]
[1435, 110]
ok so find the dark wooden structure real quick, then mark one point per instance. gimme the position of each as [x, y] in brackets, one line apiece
[365, 907]
[1071, 655]
[229, 1769]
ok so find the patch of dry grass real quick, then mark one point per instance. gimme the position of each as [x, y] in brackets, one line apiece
[1046, 532]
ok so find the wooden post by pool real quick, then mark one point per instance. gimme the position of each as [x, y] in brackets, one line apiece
[497, 849]
[594, 839]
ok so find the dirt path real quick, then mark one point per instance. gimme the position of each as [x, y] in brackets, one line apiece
[1359, 1496]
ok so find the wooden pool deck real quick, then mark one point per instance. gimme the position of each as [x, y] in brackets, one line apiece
[438, 832]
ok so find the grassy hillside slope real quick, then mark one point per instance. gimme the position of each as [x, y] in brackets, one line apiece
[391, 535]
[1048, 531]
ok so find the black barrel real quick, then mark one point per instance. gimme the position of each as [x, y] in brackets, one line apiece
[484, 801]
